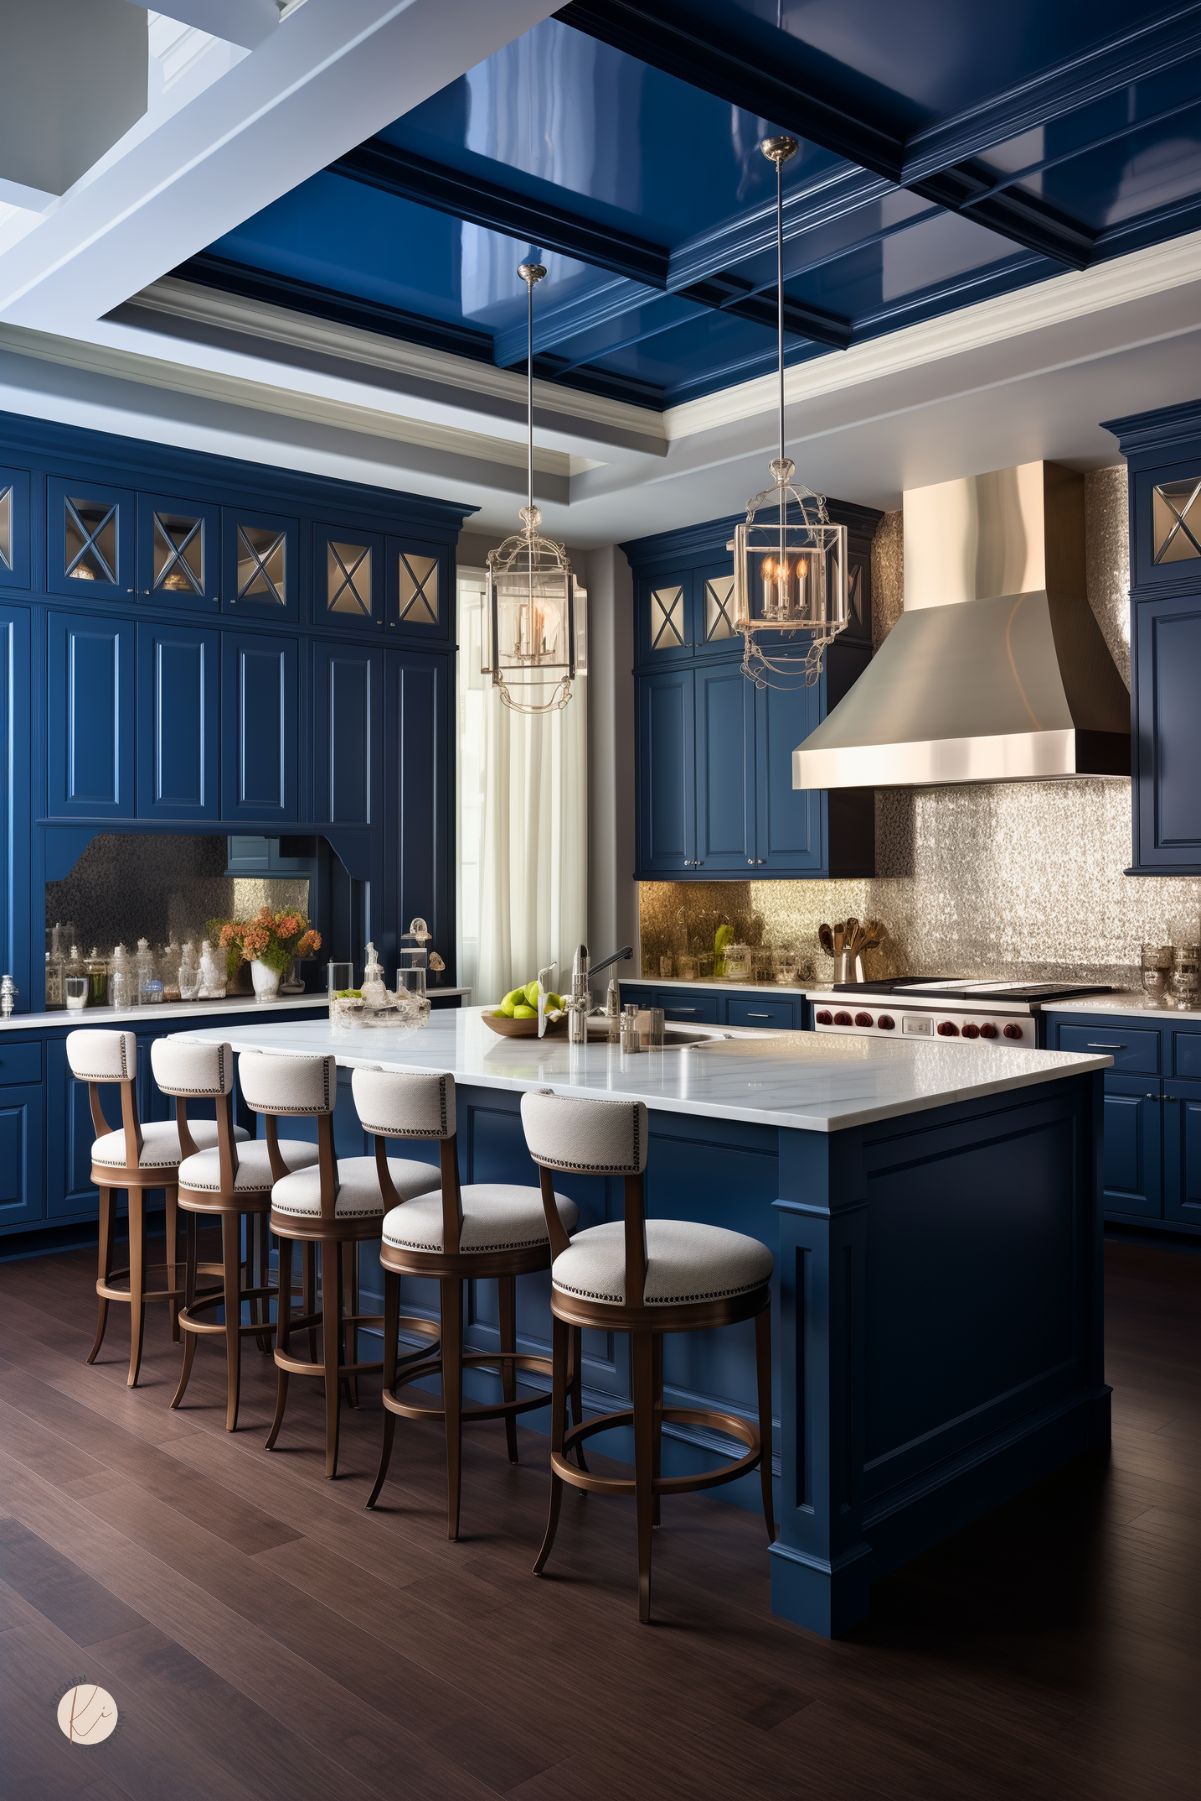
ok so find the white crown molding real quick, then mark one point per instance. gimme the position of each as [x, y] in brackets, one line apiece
[1139, 276]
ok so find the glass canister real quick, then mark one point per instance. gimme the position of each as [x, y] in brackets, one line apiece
[1186, 977]
[188, 978]
[1156, 963]
[96, 970]
[738, 963]
[119, 983]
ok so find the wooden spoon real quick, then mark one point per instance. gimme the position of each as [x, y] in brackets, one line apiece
[825, 938]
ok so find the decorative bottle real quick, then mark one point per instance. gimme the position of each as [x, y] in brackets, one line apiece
[119, 982]
[212, 976]
[188, 979]
[374, 989]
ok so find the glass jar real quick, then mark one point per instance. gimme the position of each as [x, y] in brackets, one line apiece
[738, 963]
[96, 970]
[1186, 977]
[1156, 964]
[118, 978]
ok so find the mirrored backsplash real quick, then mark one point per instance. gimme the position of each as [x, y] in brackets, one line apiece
[158, 886]
[1020, 879]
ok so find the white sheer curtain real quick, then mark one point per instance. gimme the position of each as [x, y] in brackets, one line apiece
[523, 825]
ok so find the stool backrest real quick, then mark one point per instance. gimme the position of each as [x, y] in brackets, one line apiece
[413, 1103]
[591, 1138]
[188, 1070]
[296, 1087]
[109, 1056]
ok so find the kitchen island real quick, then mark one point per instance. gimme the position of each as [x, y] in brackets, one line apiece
[934, 1211]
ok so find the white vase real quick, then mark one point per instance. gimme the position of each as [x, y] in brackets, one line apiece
[265, 979]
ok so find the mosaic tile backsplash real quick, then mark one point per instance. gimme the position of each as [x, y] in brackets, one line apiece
[1020, 879]
[130, 886]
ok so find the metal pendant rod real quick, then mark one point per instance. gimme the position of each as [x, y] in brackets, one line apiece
[780, 290]
[529, 273]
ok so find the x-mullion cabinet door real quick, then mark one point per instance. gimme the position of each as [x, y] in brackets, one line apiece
[347, 577]
[179, 553]
[15, 534]
[90, 540]
[261, 575]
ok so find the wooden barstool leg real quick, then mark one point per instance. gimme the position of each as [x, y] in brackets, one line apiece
[191, 1227]
[452, 1397]
[642, 1367]
[231, 1260]
[349, 1258]
[308, 1295]
[263, 1241]
[575, 1385]
[331, 1343]
[763, 1388]
[104, 1264]
[283, 1330]
[507, 1292]
[391, 1333]
[658, 1441]
[171, 1199]
[137, 1282]
[560, 1341]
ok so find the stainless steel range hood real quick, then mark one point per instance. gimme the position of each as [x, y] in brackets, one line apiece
[996, 670]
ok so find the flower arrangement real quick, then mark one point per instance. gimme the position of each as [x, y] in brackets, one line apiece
[270, 938]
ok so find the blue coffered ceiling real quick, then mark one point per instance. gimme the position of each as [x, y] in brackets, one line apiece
[949, 151]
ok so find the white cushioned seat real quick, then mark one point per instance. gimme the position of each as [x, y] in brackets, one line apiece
[358, 1192]
[160, 1143]
[203, 1171]
[497, 1216]
[684, 1262]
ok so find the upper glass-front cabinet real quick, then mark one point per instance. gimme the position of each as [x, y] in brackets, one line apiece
[348, 577]
[688, 612]
[14, 529]
[90, 535]
[178, 552]
[262, 564]
[417, 591]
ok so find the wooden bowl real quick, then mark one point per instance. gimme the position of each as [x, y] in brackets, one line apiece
[522, 1028]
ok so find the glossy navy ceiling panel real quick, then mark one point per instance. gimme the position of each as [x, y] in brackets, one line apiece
[948, 152]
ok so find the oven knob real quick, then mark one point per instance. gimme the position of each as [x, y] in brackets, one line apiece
[971, 1031]
[987, 1031]
[824, 1018]
[947, 1028]
[886, 1022]
[864, 1019]
[1013, 1031]
[843, 1019]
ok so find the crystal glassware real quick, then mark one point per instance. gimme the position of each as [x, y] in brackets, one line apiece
[412, 1003]
[1186, 977]
[1156, 964]
[76, 989]
[344, 996]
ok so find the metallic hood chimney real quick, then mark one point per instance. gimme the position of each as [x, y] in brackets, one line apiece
[996, 670]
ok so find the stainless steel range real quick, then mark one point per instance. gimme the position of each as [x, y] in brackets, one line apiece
[1004, 1013]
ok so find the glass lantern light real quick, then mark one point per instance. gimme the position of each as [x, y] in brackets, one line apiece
[532, 654]
[790, 562]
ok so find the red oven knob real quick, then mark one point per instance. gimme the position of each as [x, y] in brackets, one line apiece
[824, 1018]
[1012, 1031]
[843, 1019]
[863, 1019]
[988, 1031]
[886, 1022]
[971, 1031]
[947, 1028]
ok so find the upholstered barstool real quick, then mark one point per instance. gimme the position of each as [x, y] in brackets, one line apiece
[230, 1183]
[645, 1278]
[136, 1157]
[484, 1231]
[334, 1204]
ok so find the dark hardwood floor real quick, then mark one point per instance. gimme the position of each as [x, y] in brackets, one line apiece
[264, 1636]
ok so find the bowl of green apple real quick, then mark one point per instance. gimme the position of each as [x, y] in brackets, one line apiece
[517, 1014]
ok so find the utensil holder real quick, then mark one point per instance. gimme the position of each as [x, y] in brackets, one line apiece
[848, 968]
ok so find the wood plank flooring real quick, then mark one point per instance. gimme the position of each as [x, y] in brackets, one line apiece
[264, 1636]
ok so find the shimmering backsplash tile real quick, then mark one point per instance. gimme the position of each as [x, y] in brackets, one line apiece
[1021, 879]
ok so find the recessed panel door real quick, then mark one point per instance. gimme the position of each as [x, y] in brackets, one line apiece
[178, 715]
[90, 716]
[348, 733]
[260, 727]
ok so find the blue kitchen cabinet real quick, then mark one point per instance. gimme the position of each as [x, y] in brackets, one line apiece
[253, 854]
[179, 703]
[22, 1154]
[1182, 1154]
[347, 584]
[348, 734]
[91, 539]
[788, 820]
[89, 716]
[179, 553]
[666, 753]
[16, 536]
[418, 727]
[720, 1006]
[261, 564]
[1134, 1177]
[260, 727]
[418, 591]
[69, 1191]
[725, 768]
[15, 782]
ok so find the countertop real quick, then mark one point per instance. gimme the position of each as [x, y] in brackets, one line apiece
[100, 1017]
[1132, 1000]
[795, 1080]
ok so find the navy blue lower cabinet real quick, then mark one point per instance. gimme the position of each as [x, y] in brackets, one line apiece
[22, 1155]
[1133, 1147]
[348, 733]
[725, 771]
[1167, 738]
[666, 781]
[720, 1006]
[260, 727]
[179, 708]
[89, 716]
[1182, 1153]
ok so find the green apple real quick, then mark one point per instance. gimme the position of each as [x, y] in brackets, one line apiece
[514, 998]
[554, 1003]
[525, 1013]
[532, 991]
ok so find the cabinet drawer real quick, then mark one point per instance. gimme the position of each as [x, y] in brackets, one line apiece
[688, 1009]
[763, 1011]
[1135, 1051]
[1186, 1055]
[20, 1062]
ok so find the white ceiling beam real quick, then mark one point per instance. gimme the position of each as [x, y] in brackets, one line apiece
[332, 73]
[244, 22]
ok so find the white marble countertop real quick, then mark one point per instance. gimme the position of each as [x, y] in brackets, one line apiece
[796, 1080]
[1131, 1001]
[98, 1017]
[719, 984]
